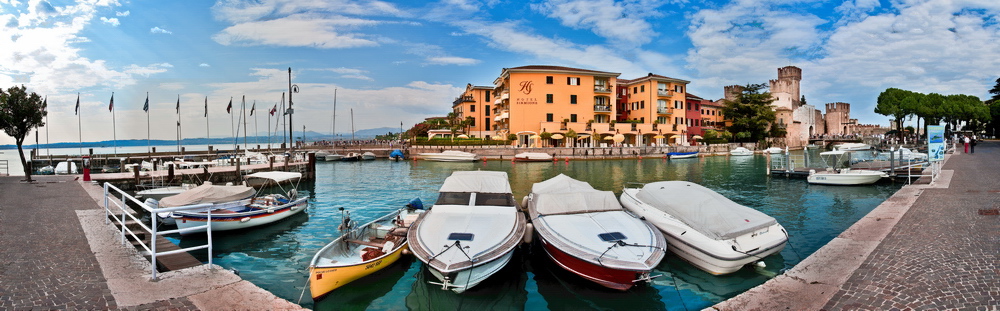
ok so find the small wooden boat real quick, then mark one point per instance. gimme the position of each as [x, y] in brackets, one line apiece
[362, 250]
[682, 155]
[533, 157]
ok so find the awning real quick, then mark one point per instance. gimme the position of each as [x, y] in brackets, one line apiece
[278, 177]
[582, 136]
[658, 137]
[696, 137]
[557, 136]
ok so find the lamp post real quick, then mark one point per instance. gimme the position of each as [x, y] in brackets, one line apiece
[292, 88]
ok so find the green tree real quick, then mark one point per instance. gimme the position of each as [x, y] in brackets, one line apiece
[750, 113]
[994, 109]
[20, 112]
[890, 103]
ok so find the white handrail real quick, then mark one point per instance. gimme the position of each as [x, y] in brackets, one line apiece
[121, 205]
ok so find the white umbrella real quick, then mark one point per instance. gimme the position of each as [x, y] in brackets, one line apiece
[619, 138]
[557, 136]
[463, 136]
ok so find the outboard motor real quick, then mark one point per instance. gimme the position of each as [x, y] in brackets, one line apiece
[415, 203]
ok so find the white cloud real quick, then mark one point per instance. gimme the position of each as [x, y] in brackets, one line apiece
[452, 60]
[204, 65]
[159, 30]
[238, 12]
[110, 21]
[146, 71]
[620, 22]
[123, 14]
[301, 30]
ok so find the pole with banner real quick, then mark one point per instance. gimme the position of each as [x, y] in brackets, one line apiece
[935, 149]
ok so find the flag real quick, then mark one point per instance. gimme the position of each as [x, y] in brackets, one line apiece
[206, 106]
[111, 107]
[229, 108]
[178, 104]
[253, 107]
[145, 107]
[77, 112]
[45, 104]
[275, 109]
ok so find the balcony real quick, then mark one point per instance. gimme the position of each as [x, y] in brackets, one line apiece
[664, 110]
[464, 99]
[664, 93]
[505, 95]
[602, 89]
[602, 108]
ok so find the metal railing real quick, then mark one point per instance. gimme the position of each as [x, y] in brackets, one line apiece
[122, 206]
[4, 167]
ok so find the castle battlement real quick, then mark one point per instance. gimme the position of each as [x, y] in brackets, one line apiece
[838, 107]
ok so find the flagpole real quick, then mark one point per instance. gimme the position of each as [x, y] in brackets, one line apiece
[284, 132]
[243, 117]
[114, 126]
[145, 107]
[256, 131]
[269, 132]
[208, 133]
[180, 132]
[47, 151]
[232, 125]
[79, 125]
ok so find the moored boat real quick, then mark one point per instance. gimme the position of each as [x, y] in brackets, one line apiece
[471, 231]
[362, 250]
[449, 156]
[839, 172]
[351, 156]
[368, 156]
[682, 155]
[273, 178]
[740, 151]
[333, 157]
[773, 150]
[235, 213]
[705, 228]
[533, 157]
[586, 232]
[396, 155]
[852, 147]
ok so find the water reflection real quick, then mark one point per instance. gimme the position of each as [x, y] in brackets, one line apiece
[362, 293]
[563, 290]
[504, 290]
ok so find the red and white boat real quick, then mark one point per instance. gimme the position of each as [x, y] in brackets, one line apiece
[587, 232]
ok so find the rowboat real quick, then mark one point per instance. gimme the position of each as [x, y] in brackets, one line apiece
[682, 155]
[362, 250]
[532, 157]
[449, 156]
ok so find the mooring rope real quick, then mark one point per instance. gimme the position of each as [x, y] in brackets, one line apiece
[622, 243]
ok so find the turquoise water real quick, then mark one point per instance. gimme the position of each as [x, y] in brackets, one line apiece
[276, 257]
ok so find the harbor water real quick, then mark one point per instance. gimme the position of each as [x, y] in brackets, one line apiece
[276, 257]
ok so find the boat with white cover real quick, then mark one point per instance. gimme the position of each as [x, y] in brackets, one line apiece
[272, 178]
[682, 155]
[839, 172]
[740, 151]
[704, 227]
[231, 207]
[471, 231]
[852, 147]
[532, 157]
[774, 150]
[449, 156]
[586, 232]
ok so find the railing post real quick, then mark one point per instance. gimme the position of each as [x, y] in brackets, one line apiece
[121, 221]
[106, 211]
[152, 239]
[208, 231]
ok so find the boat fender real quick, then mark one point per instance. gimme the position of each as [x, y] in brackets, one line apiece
[245, 219]
[529, 232]
[406, 251]
[524, 202]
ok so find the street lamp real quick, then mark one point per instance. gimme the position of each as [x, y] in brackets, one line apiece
[292, 88]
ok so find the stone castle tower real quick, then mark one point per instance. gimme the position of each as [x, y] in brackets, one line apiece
[785, 89]
[838, 117]
[731, 91]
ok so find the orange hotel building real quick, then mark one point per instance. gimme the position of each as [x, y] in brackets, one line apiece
[529, 100]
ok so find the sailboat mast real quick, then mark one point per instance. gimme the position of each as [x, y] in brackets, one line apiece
[333, 129]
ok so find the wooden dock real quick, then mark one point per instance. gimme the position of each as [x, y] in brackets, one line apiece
[217, 174]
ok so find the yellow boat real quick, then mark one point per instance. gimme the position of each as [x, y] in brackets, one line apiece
[362, 250]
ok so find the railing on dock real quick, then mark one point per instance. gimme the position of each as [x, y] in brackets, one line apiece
[111, 192]
[788, 162]
[4, 168]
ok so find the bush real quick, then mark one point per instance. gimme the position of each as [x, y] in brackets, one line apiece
[423, 141]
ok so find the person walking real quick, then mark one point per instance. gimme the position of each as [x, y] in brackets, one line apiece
[972, 144]
[965, 139]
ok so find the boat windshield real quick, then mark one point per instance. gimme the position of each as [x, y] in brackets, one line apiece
[463, 198]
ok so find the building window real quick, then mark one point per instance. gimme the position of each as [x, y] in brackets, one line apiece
[572, 118]
[572, 99]
[472, 122]
[487, 110]
[548, 98]
[642, 104]
[635, 90]
[548, 117]
[548, 79]
[487, 96]
[642, 88]
[472, 108]
[487, 126]
[572, 81]
[679, 88]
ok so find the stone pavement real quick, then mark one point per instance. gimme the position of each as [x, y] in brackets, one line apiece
[57, 253]
[928, 247]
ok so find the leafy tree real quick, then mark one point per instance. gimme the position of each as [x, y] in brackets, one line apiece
[996, 92]
[890, 103]
[20, 112]
[545, 136]
[751, 113]
[571, 137]
[994, 109]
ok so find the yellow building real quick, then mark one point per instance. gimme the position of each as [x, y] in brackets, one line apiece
[475, 104]
[655, 105]
[536, 99]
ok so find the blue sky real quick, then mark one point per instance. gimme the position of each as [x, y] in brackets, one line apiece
[403, 61]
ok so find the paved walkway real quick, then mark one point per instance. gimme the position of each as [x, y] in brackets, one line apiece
[56, 252]
[928, 247]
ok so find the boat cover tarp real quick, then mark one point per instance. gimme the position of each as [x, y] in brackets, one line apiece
[477, 181]
[561, 183]
[565, 203]
[207, 194]
[705, 210]
[562, 195]
[278, 177]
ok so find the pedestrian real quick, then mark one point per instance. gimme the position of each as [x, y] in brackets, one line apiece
[972, 144]
[965, 139]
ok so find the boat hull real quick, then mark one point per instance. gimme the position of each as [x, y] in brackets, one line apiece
[611, 278]
[323, 280]
[845, 179]
[236, 221]
[682, 155]
[465, 279]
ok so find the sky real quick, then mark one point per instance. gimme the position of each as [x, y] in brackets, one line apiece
[399, 62]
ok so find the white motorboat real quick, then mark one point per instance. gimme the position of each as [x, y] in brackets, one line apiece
[586, 232]
[852, 147]
[740, 151]
[904, 154]
[839, 172]
[368, 156]
[532, 157]
[333, 157]
[471, 231]
[351, 156]
[774, 150]
[321, 155]
[704, 227]
[230, 207]
[66, 167]
[449, 156]
[682, 155]
[812, 146]
[158, 193]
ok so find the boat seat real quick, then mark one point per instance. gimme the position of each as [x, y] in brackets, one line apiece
[399, 231]
[366, 243]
